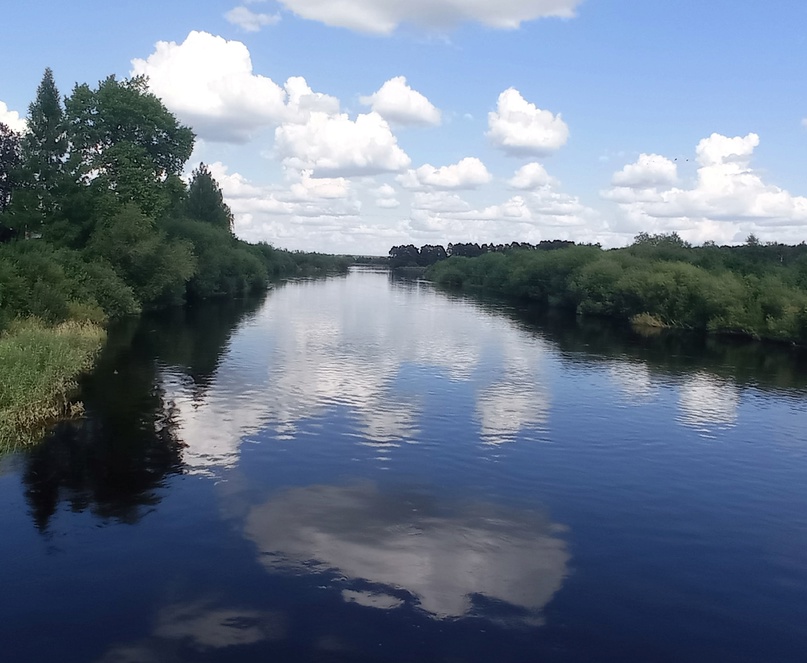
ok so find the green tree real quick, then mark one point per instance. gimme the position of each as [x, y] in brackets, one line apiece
[9, 163]
[126, 143]
[154, 266]
[43, 152]
[672, 239]
[205, 200]
[44, 145]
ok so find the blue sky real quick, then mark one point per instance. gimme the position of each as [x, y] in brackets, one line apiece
[356, 125]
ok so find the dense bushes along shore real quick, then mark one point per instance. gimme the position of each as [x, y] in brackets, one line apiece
[755, 290]
[96, 223]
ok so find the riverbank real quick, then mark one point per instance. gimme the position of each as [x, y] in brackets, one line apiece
[79, 250]
[752, 291]
[41, 361]
[41, 364]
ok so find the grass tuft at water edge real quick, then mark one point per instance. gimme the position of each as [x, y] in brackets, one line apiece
[41, 364]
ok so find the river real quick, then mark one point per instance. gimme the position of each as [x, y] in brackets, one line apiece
[367, 469]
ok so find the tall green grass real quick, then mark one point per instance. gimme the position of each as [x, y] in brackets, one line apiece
[40, 366]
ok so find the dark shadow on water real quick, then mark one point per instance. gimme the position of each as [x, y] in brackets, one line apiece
[115, 459]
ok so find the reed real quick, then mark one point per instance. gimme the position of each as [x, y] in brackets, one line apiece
[39, 367]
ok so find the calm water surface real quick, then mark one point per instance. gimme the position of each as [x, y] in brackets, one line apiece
[364, 469]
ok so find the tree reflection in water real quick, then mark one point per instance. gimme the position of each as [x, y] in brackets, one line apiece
[665, 352]
[115, 459]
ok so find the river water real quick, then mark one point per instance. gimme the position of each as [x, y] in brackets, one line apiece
[366, 469]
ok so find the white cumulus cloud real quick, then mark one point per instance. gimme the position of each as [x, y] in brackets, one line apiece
[209, 83]
[385, 197]
[536, 213]
[521, 128]
[387, 203]
[290, 197]
[233, 185]
[308, 188]
[384, 16]
[302, 100]
[468, 173]
[299, 212]
[531, 176]
[11, 118]
[336, 146]
[718, 150]
[248, 20]
[396, 102]
[727, 200]
[649, 170]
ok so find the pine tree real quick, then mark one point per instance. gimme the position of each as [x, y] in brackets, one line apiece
[206, 201]
[45, 142]
[9, 163]
[43, 155]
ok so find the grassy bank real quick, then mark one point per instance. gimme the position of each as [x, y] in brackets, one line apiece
[40, 366]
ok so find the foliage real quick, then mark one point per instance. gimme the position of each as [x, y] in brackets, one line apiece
[10, 154]
[155, 267]
[278, 262]
[40, 363]
[404, 256]
[45, 142]
[318, 264]
[754, 289]
[205, 201]
[124, 140]
[225, 266]
[410, 256]
[43, 151]
[57, 284]
[108, 228]
[101, 179]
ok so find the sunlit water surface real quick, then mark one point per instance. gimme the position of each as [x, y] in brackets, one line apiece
[365, 469]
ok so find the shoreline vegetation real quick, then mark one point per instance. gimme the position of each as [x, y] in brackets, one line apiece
[97, 224]
[754, 290]
[41, 364]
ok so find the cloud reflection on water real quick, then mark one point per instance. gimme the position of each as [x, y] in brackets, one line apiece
[345, 343]
[632, 379]
[200, 626]
[406, 546]
[518, 399]
[708, 401]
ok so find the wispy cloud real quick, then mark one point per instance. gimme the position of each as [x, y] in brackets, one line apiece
[248, 20]
[384, 16]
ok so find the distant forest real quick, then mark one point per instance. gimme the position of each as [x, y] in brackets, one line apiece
[410, 256]
[755, 289]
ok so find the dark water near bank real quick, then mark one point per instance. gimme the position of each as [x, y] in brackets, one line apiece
[362, 469]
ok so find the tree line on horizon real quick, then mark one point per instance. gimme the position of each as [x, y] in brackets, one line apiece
[408, 255]
[754, 289]
[96, 180]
